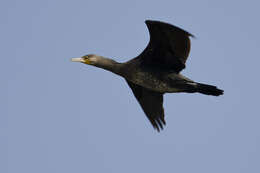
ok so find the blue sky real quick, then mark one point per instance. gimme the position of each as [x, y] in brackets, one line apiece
[59, 116]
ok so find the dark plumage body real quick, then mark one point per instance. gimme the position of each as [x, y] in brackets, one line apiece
[153, 78]
[156, 70]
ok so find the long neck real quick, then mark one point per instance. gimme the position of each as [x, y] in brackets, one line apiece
[110, 65]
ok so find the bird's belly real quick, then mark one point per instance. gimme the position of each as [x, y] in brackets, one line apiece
[153, 82]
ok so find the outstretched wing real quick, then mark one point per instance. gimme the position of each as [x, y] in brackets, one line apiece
[151, 103]
[169, 46]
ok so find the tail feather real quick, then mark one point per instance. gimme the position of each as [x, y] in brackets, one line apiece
[209, 89]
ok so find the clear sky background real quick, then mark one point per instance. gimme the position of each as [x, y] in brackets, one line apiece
[59, 116]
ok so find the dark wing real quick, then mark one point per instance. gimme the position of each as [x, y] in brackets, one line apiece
[151, 103]
[168, 48]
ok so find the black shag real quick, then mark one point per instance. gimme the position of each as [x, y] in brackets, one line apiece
[156, 70]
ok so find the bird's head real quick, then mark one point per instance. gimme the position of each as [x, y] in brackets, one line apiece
[90, 59]
[100, 62]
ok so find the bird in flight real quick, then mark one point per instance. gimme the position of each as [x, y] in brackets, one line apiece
[156, 70]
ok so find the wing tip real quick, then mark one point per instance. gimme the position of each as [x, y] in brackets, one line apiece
[150, 22]
[158, 124]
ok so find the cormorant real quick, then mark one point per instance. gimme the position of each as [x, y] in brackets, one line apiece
[156, 70]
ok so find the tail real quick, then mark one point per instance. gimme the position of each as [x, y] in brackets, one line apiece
[208, 89]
